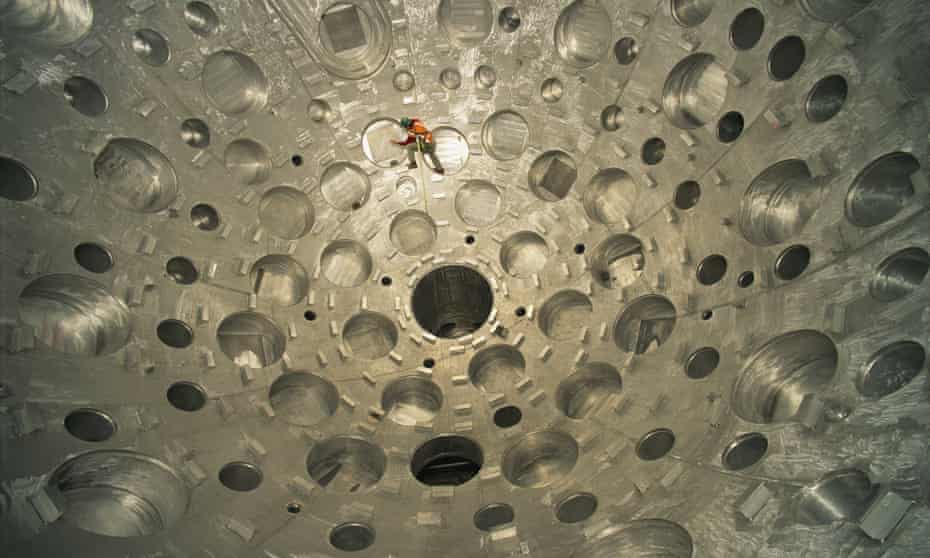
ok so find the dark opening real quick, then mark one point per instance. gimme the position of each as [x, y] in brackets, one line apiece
[447, 461]
[507, 417]
[452, 301]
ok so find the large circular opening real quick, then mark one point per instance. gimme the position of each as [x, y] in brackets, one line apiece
[370, 335]
[345, 186]
[747, 28]
[413, 232]
[286, 212]
[786, 58]
[779, 203]
[86, 96]
[539, 459]
[136, 176]
[346, 465]
[186, 396]
[93, 257]
[882, 190]
[695, 91]
[120, 493]
[74, 315]
[505, 135]
[655, 444]
[151, 47]
[494, 369]
[582, 33]
[826, 99]
[891, 368]
[575, 508]
[493, 515]
[248, 161]
[346, 263]
[447, 461]
[900, 275]
[644, 325]
[792, 262]
[552, 175]
[303, 399]
[452, 301]
[280, 279]
[251, 339]
[610, 196]
[564, 315]
[711, 269]
[233, 82]
[842, 495]
[478, 203]
[782, 373]
[524, 253]
[411, 400]
[586, 389]
[702, 363]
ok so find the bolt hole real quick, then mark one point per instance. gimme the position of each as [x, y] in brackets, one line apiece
[386, 281]
[508, 417]
[356, 205]
[746, 279]
[309, 315]
[470, 239]
[293, 508]
[579, 248]
[297, 160]
[520, 311]
[429, 362]
[707, 314]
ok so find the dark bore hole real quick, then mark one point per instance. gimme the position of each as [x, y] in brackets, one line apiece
[447, 461]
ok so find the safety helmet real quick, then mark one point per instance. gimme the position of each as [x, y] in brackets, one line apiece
[405, 122]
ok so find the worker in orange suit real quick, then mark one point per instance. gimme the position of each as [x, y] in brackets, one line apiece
[419, 139]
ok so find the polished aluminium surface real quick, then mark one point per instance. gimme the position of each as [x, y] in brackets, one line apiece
[669, 299]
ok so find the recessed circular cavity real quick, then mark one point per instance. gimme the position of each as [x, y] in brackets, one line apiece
[524, 253]
[346, 263]
[47, 23]
[240, 476]
[609, 196]
[707, 314]
[826, 99]
[452, 301]
[653, 151]
[655, 444]
[181, 270]
[589, 386]
[451, 149]
[310, 315]
[186, 396]
[730, 127]
[900, 274]
[640, 538]
[493, 515]
[279, 278]
[781, 373]
[450, 78]
[120, 493]
[201, 19]
[345, 186]
[345, 464]
[303, 399]
[564, 314]
[842, 495]
[745, 451]
[786, 58]
[891, 368]
[702, 363]
[467, 23]
[882, 190]
[687, 195]
[505, 135]
[618, 261]
[508, 417]
[495, 368]
[447, 461]
[413, 232]
[286, 212]
[175, 334]
[403, 81]
[376, 142]
[369, 335]
[319, 111]
[248, 161]
[429, 362]
[552, 175]
[485, 77]
[832, 11]
[747, 29]
[17, 183]
[407, 188]
[250, 339]
[539, 459]
[690, 13]
[792, 262]
[86, 96]
[195, 133]
[411, 400]
[352, 537]
[611, 118]
[779, 203]
[293, 507]
[74, 315]
[582, 33]
[626, 50]
[695, 91]
[575, 508]
[234, 83]
[509, 19]
[746, 279]
[353, 39]
[151, 47]
[478, 203]
[644, 325]
[205, 217]
[90, 425]
[93, 257]
[136, 175]
[551, 90]
[711, 269]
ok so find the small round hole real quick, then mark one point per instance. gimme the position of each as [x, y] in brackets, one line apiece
[576, 507]
[687, 195]
[653, 151]
[792, 262]
[469, 239]
[746, 279]
[655, 444]
[493, 515]
[746, 29]
[730, 127]
[702, 363]
[93, 257]
[175, 333]
[386, 281]
[508, 417]
[90, 425]
[86, 96]
[509, 19]
[707, 314]
[309, 315]
[181, 270]
[745, 451]
[826, 99]
[186, 396]
[429, 362]
[297, 160]
[205, 217]
[293, 508]
[352, 537]
[786, 58]
[579, 248]
[626, 50]
[711, 270]
[520, 311]
[240, 476]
